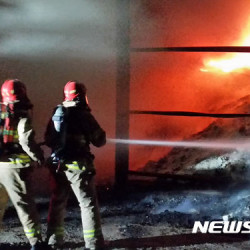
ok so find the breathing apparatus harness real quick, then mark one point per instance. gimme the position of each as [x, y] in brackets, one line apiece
[60, 154]
[8, 128]
[60, 125]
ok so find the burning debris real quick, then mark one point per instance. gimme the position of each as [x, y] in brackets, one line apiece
[230, 162]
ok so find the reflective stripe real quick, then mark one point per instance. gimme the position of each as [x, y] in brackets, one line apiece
[22, 161]
[75, 165]
[88, 233]
[30, 232]
[10, 132]
[24, 157]
[17, 161]
[33, 232]
[72, 91]
[10, 135]
[21, 158]
[91, 233]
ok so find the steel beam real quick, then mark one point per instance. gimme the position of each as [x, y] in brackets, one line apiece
[239, 49]
[187, 113]
[122, 92]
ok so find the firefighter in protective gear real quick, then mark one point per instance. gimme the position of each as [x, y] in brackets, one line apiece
[18, 150]
[69, 134]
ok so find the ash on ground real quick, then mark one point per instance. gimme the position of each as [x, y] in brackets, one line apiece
[146, 218]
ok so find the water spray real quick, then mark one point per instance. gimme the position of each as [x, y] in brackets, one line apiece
[240, 145]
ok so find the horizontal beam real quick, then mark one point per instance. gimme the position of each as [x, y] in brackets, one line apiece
[179, 177]
[187, 113]
[241, 49]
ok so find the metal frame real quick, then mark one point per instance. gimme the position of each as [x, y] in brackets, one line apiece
[123, 88]
[122, 93]
[239, 49]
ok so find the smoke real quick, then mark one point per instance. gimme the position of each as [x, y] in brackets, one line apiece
[183, 208]
[225, 205]
[46, 43]
[57, 28]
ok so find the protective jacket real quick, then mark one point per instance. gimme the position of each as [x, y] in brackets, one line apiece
[69, 134]
[71, 144]
[18, 144]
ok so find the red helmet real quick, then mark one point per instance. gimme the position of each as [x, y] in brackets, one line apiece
[75, 91]
[13, 91]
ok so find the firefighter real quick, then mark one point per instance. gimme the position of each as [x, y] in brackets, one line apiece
[69, 134]
[18, 150]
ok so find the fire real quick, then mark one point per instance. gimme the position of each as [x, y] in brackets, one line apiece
[231, 62]
[237, 62]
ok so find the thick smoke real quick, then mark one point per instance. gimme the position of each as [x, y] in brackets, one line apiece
[57, 28]
[47, 43]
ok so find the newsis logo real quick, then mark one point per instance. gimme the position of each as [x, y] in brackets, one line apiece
[219, 227]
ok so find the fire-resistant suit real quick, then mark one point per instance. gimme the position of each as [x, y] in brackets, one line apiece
[72, 167]
[18, 150]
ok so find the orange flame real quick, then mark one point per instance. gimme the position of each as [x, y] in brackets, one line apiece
[231, 62]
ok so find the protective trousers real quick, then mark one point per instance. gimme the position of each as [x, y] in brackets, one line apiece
[3, 203]
[84, 189]
[16, 183]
